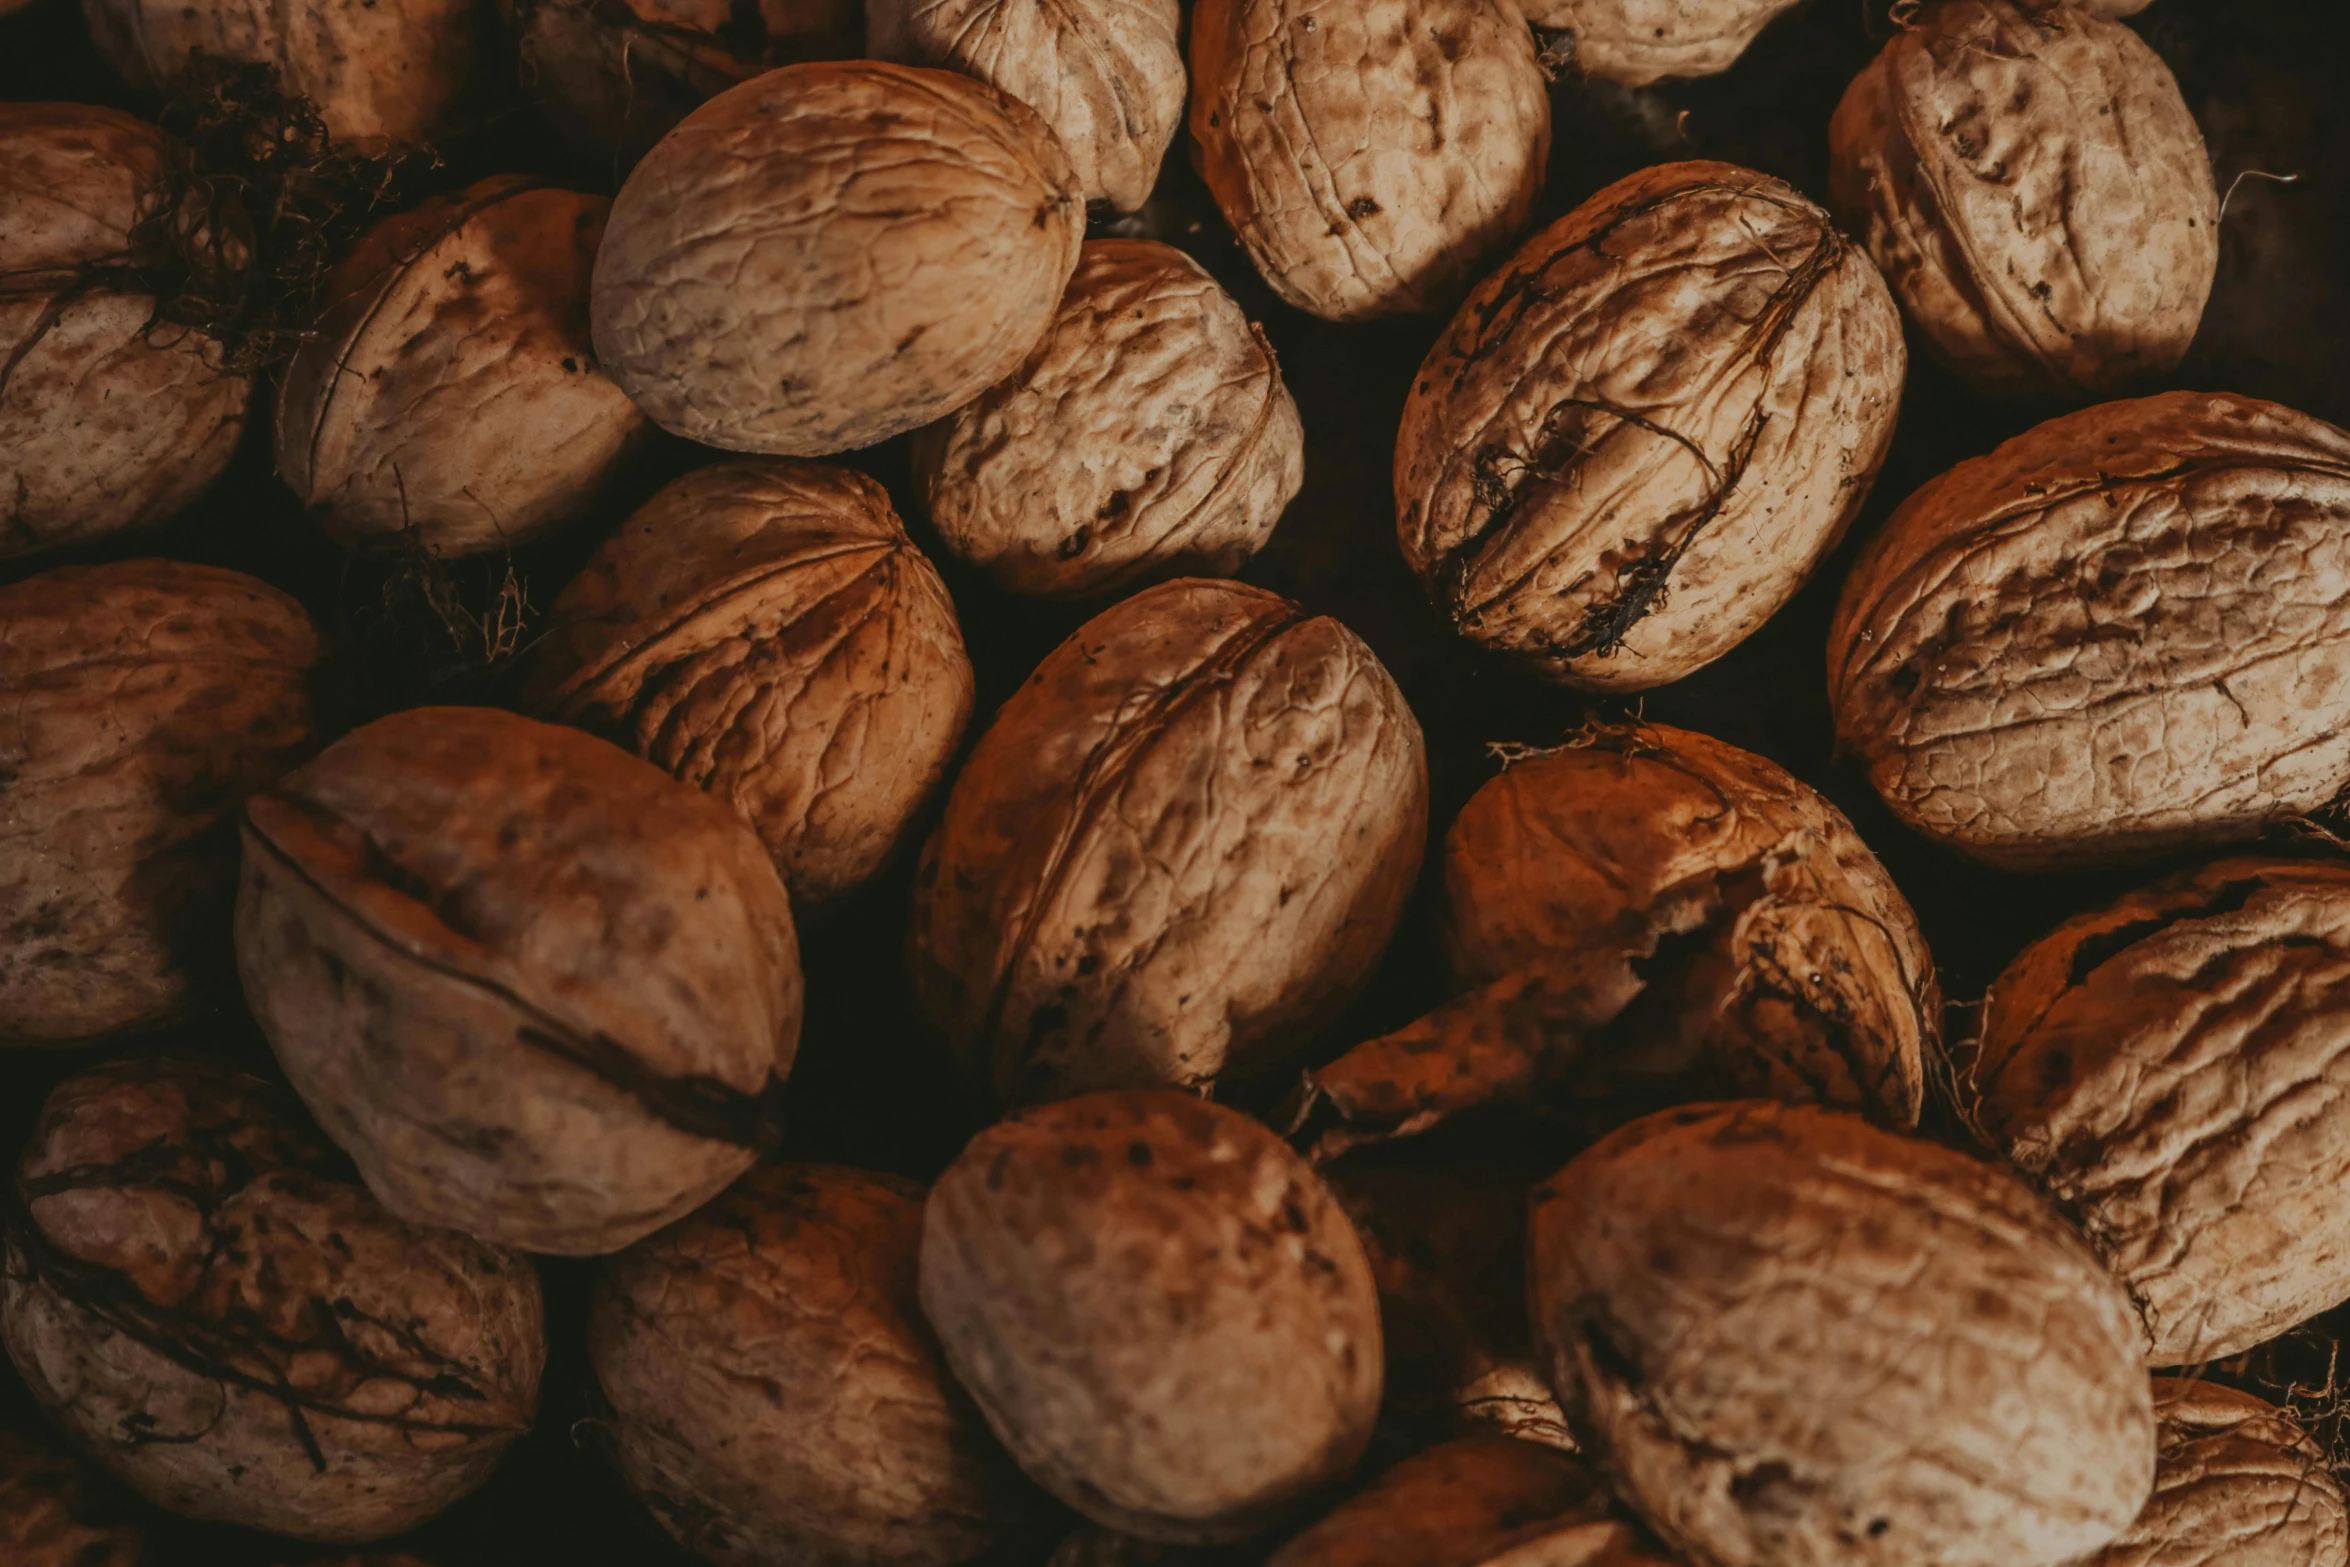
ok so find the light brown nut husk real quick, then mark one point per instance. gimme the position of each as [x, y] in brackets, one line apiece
[1148, 436]
[1638, 439]
[1794, 1338]
[539, 990]
[53, 1514]
[145, 699]
[1178, 851]
[767, 632]
[1636, 42]
[833, 254]
[2037, 193]
[203, 1299]
[1371, 158]
[2236, 1484]
[1159, 1308]
[2075, 650]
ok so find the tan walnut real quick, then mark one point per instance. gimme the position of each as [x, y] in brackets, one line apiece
[54, 1514]
[539, 990]
[2236, 1484]
[1636, 42]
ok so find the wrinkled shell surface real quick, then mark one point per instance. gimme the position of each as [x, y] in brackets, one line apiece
[1637, 440]
[2076, 649]
[830, 255]
[1149, 435]
[767, 632]
[1160, 1309]
[2037, 193]
[238, 1331]
[535, 987]
[1180, 848]
[1796, 1339]
[51, 1515]
[2236, 1484]
[1638, 41]
[777, 1395]
[145, 699]
[1370, 157]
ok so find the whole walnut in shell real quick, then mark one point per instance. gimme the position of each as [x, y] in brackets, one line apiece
[207, 1303]
[830, 255]
[1159, 1308]
[539, 990]
[1179, 849]
[1794, 1338]
[1371, 157]
[767, 632]
[1149, 435]
[2074, 650]
[146, 698]
[449, 393]
[53, 1514]
[2236, 1484]
[776, 1395]
[1638, 41]
[1638, 439]
[2030, 180]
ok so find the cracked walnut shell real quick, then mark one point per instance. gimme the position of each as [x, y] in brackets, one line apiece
[1636, 42]
[2236, 1484]
[53, 1513]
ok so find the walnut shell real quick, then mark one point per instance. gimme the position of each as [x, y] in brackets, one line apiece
[536, 988]
[1159, 1308]
[1638, 439]
[776, 1394]
[767, 632]
[2037, 193]
[2236, 1484]
[1149, 435]
[449, 392]
[146, 698]
[1636, 42]
[830, 255]
[52, 1514]
[2074, 650]
[1794, 1338]
[1179, 849]
[211, 1308]
[1371, 158]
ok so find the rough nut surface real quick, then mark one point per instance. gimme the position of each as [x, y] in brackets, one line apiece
[539, 990]
[1638, 41]
[830, 255]
[776, 1394]
[1180, 848]
[1795, 1338]
[51, 1515]
[767, 632]
[2038, 195]
[1149, 435]
[1370, 157]
[145, 699]
[1159, 1308]
[210, 1307]
[2076, 649]
[2236, 1484]
[1637, 440]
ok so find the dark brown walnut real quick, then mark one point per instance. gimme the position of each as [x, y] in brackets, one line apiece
[1090, 1545]
[2236, 1484]
[539, 990]
[1638, 439]
[1159, 1308]
[2031, 182]
[776, 1395]
[1372, 158]
[145, 699]
[2074, 650]
[1639, 41]
[2172, 1070]
[53, 1513]
[1178, 851]
[202, 1298]
[767, 632]
[1149, 435]
[1794, 1338]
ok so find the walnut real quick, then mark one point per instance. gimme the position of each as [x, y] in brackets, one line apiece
[449, 393]
[1795, 1338]
[2235, 1483]
[1159, 1308]
[53, 1514]
[1638, 439]
[767, 632]
[539, 990]
[1639, 41]
[1093, 1546]
[1149, 435]
[830, 255]
[1179, 850]
[2032, 183]
[145, 699]
[2074, 650]
[202, 1298]
[1371, 158]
